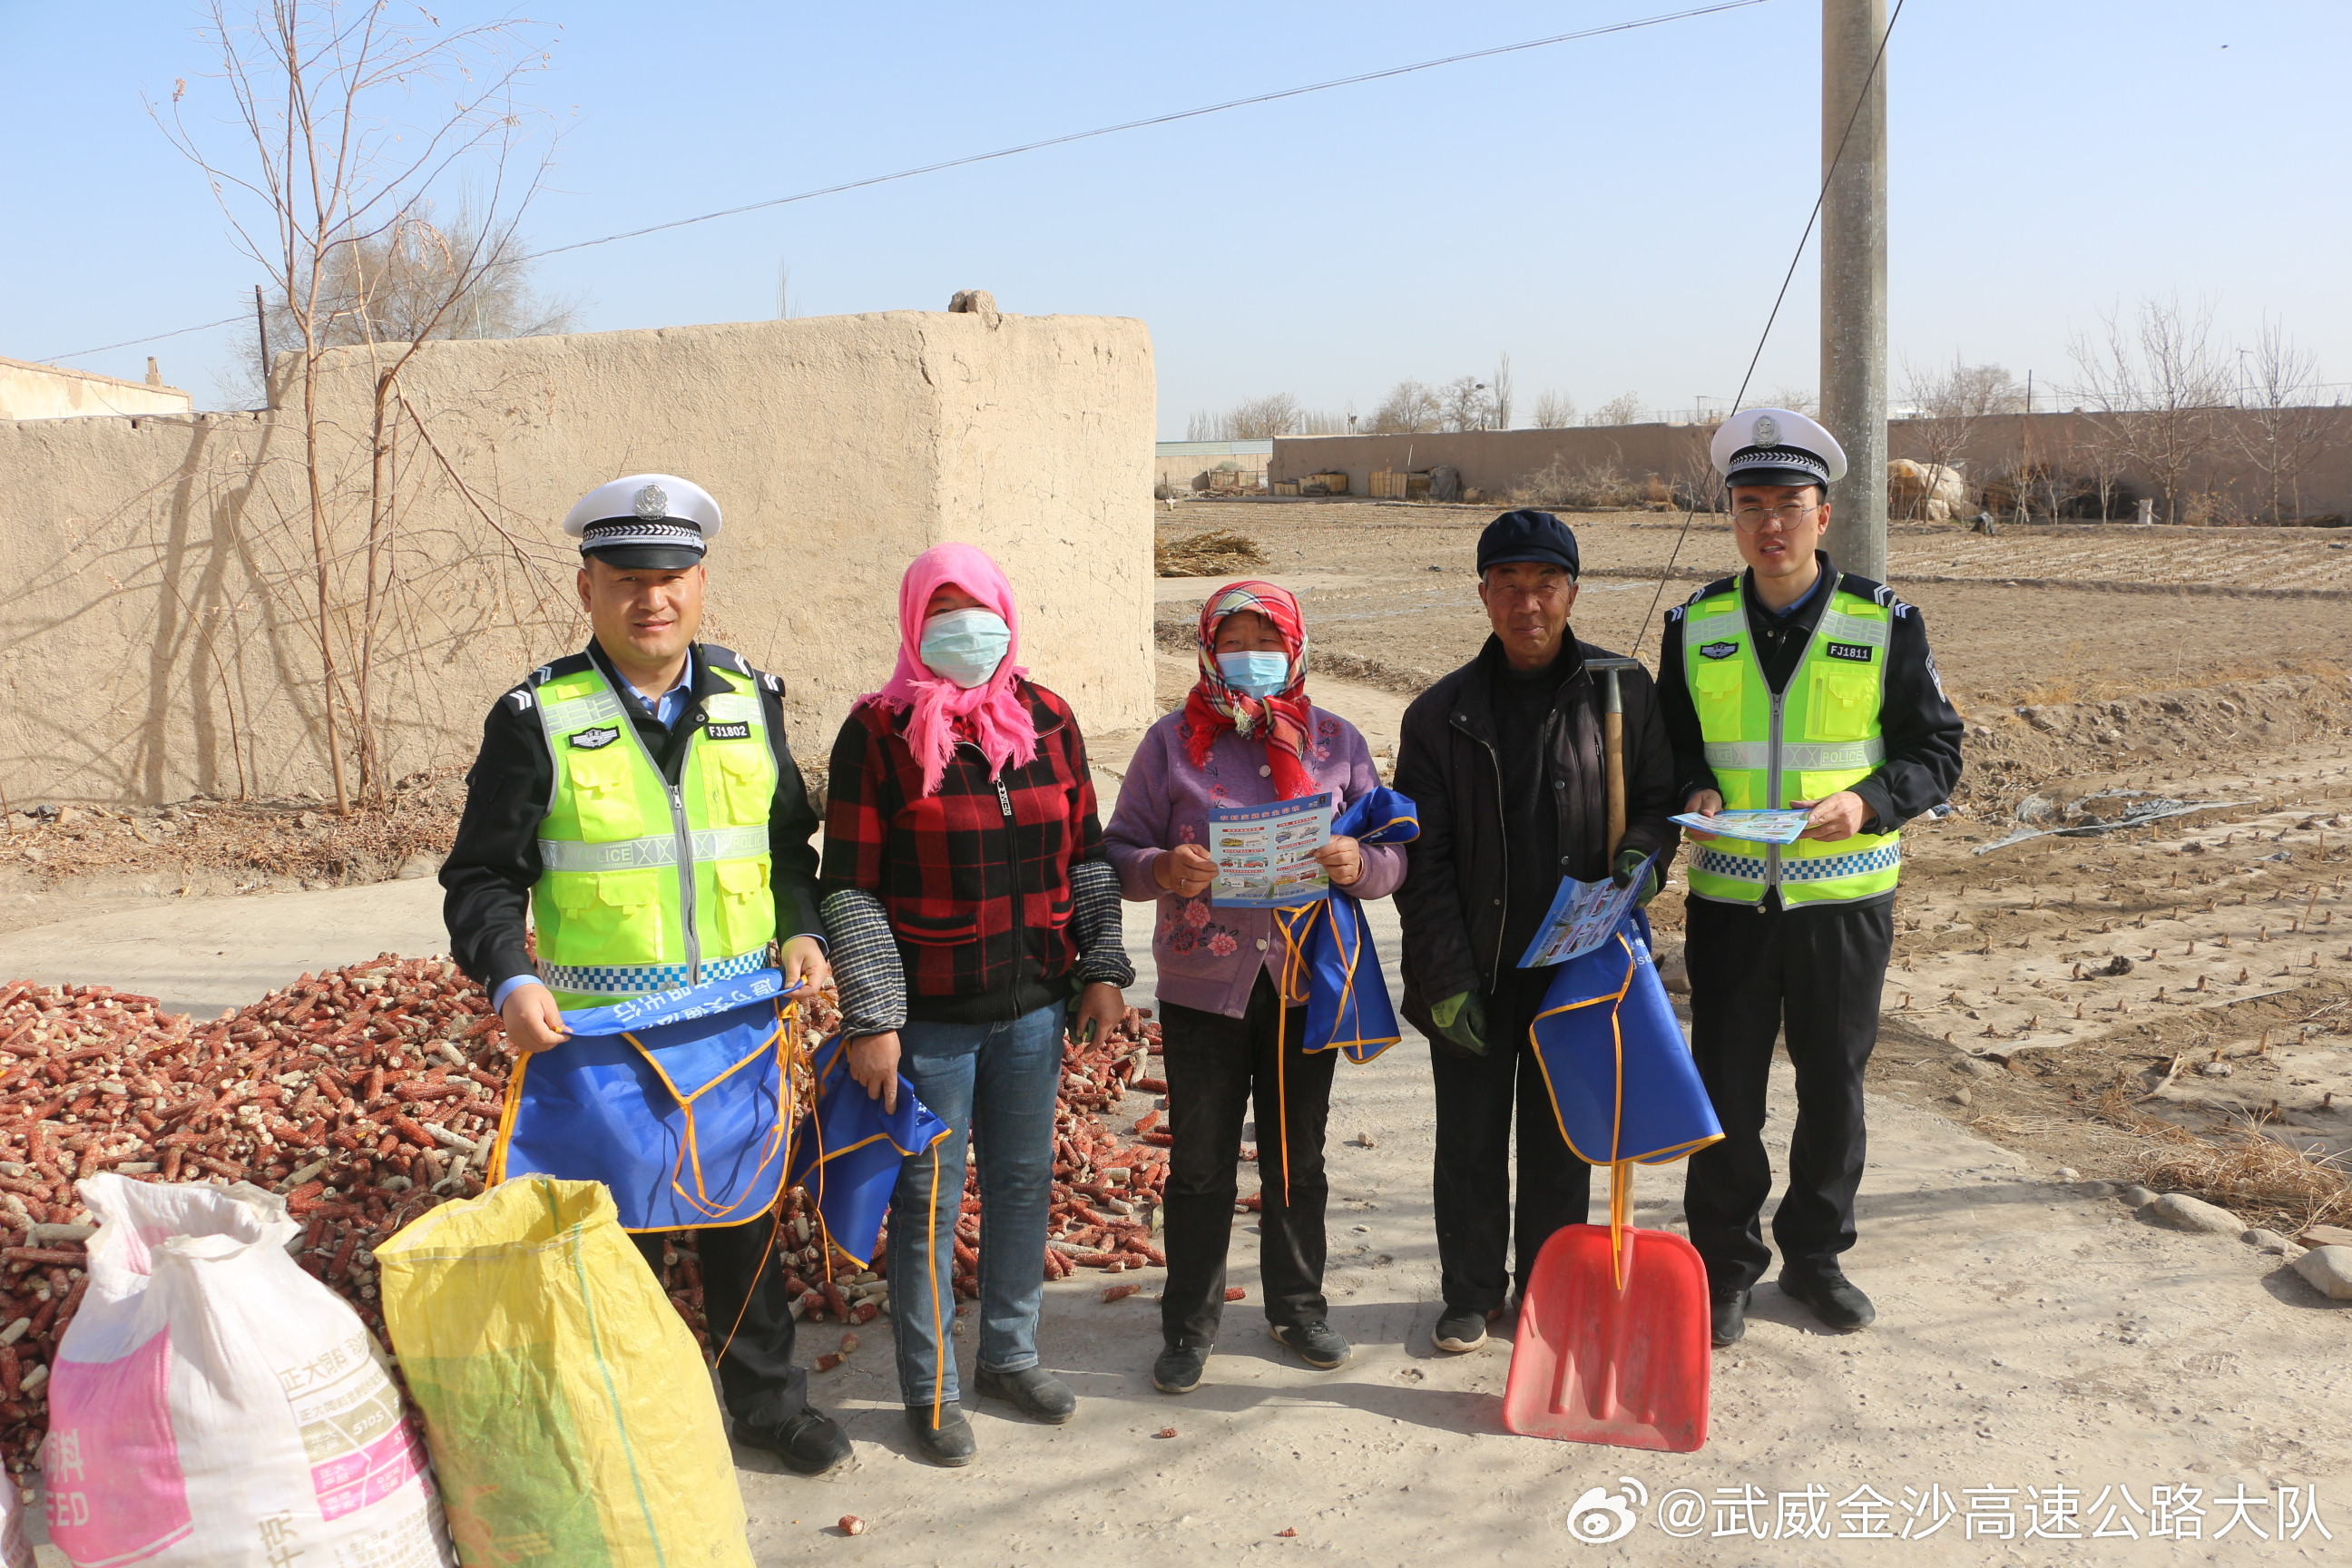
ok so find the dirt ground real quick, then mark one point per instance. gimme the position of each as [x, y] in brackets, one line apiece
[2095, 664]
[2042, 1356]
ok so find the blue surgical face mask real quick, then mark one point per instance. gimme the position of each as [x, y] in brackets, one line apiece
[1258, 674]
[965, 645]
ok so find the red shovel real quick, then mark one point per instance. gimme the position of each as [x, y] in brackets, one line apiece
[1613, 1339]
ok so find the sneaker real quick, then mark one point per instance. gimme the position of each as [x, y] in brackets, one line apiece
[1727, 1313]
[1460, 1330]
[950, 1443]
[1834, 1298]
[809, 1442]
[1032, 1391]
[1318, 1344]
[1178, 1370]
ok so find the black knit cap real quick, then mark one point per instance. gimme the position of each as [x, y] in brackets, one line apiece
[1528, 535]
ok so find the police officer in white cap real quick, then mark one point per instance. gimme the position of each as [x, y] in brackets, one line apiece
[670, 847]
[1792, 685]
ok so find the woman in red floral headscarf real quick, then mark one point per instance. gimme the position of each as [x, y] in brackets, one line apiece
[1246, 735]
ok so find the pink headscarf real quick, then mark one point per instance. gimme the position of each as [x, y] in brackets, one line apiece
[993, 713]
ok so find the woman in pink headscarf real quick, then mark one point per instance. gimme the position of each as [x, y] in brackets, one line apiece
[973, 916]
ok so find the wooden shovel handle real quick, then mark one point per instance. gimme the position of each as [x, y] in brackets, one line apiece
[1613, 733]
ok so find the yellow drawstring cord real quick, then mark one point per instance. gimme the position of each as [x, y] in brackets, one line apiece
[939, 1351]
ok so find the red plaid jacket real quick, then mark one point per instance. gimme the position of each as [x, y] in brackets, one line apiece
[976, 878]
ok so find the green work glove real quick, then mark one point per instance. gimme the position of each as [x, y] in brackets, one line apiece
[1628, 862]
[1462, 1019]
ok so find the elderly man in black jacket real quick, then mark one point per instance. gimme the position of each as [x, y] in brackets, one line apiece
[1503, 759]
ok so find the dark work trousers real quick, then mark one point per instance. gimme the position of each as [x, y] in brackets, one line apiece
[1757, 972]
[763, 1388]
[1216, 1067]
[1477, 1224]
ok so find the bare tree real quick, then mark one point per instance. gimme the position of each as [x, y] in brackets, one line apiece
[419, 280]
[2279, 431]
[1625, 408]
[1795, 399]
[1463, 400]
[1410, 409]
[1323, 422]
[1952, 403]
[1555, 410]
[1501, 400]
[2152, 385]
[330, 191]
[2096, 452]
[1276, 413]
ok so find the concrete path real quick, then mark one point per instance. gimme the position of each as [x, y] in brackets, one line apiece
[203, 955]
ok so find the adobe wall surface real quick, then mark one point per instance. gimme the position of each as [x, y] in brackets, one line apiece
[31, 391]
[159, 633]
[1495, 460]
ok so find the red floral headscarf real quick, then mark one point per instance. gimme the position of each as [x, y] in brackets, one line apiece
[1283, 720]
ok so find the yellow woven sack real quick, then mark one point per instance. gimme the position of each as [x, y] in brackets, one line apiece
[570, 1416]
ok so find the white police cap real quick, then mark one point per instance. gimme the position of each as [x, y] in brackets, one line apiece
[656, 520]
[1775, 447]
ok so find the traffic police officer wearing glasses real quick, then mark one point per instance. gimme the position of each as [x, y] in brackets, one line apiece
[1793, 684]
[636, 807]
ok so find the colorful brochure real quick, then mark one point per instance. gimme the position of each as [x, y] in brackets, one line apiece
[1582, 915]
[1266, 854]
[1754, 826]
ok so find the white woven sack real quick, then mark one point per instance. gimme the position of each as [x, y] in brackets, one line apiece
[214, 1407]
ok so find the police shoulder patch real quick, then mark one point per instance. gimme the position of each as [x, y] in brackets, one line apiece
[728, 732]
[595, 738]
[1859, 652]
[1720, 649]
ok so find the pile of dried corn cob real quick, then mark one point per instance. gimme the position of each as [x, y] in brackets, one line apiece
[368, 1094]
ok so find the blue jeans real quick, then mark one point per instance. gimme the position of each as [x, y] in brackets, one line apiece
[998, 1080]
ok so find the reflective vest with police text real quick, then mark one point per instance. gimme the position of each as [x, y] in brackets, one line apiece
[1817, 736]
[644, 885]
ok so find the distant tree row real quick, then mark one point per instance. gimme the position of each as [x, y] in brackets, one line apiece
[2219, 432]
[1411, 407]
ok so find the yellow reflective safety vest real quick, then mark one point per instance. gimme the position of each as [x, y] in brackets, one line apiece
[645, 886]
[1817, 736]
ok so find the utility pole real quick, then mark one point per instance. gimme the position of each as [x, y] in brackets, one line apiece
[1853, 277]
[261, 331]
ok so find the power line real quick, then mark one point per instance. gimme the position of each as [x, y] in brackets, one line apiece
[135, 342]
[1158, 119]
[1052, 142]
[1779, 298]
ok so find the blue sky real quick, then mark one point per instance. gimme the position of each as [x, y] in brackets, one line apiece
[1613, 213]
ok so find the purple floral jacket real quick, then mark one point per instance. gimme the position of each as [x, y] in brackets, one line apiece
[1209, 957]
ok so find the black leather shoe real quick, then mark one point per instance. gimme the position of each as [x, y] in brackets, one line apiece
[1728, 1312]
[809, 1443]
[1833, 1299]
[1178, 1370]
[1459, 1329]
[948, 1443]
[1318, 1344]
[1032, 1391]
